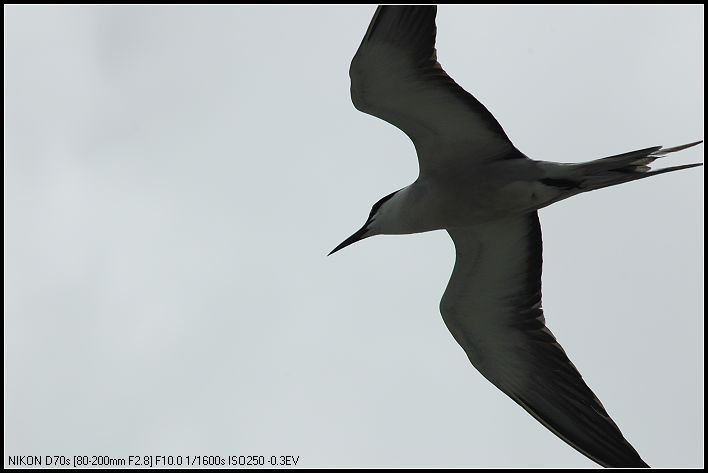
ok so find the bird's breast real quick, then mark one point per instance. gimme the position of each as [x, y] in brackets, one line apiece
[447, 202]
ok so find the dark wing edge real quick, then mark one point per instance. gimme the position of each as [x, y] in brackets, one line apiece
[395, 76]
[492, 307]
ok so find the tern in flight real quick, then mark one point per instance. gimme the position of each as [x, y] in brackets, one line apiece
[476, 185]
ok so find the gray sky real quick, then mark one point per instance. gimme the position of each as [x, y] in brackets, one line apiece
[174, 177]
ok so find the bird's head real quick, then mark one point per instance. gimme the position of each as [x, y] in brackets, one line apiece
[371, 226]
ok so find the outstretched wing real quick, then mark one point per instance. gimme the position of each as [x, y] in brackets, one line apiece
[395, 76]
[492, 307]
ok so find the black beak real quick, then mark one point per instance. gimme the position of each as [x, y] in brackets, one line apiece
[352, 239]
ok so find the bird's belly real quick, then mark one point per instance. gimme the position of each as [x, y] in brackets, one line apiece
[513, 198]
[466, 205]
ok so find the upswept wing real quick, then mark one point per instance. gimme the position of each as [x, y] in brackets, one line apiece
[492, 307]
[395, 76]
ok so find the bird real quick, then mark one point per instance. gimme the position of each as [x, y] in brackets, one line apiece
[476, 185]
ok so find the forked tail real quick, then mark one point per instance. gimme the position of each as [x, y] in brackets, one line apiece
[624, 167]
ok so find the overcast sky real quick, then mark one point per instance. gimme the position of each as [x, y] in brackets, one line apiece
[175, 176]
